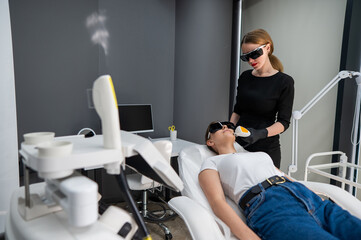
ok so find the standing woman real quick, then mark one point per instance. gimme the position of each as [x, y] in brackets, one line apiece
[264, 96]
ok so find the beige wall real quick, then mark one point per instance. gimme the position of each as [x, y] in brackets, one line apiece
[308, 37]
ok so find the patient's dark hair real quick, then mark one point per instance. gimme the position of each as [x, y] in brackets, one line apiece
[206, 137]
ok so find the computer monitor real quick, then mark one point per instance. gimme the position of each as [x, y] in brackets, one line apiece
[136, 118]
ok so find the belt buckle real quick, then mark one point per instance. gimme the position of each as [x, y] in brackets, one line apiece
[283, 180]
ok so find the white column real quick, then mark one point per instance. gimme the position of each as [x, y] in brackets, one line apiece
[9, 169]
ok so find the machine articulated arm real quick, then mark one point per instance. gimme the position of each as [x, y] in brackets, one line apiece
[297, 115]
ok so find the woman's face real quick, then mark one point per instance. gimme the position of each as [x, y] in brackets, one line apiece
[257, 63]
[223, 134]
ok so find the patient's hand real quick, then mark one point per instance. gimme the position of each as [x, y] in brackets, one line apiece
[249, 235]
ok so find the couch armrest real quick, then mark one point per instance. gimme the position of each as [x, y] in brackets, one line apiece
[201, 224]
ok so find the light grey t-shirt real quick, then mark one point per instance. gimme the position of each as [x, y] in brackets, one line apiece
[240, 171]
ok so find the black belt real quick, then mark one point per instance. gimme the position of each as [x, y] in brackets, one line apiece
[255, 190]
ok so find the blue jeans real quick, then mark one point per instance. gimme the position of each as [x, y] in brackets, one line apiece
[291, 211]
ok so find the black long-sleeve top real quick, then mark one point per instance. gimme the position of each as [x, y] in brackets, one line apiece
[262, 101]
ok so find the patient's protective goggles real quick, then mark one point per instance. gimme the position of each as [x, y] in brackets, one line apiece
[254, 54]
[214, 127]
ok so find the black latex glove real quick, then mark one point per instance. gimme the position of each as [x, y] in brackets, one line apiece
[256, 134]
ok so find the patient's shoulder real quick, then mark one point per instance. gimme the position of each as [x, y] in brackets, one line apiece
[210, 163]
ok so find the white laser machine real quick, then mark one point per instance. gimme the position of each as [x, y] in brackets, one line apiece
[65, 206]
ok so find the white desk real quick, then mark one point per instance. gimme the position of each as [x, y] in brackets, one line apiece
[178, 144]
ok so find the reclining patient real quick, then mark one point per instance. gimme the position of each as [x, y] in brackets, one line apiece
[275, 207]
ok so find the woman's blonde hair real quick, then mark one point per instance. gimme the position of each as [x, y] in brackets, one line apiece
[260, 36]
[207, 137]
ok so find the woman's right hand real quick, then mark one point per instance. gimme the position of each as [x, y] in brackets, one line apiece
[256, 134]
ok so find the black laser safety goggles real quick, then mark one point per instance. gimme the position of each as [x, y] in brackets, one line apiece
[254, 54]
[214, 127]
